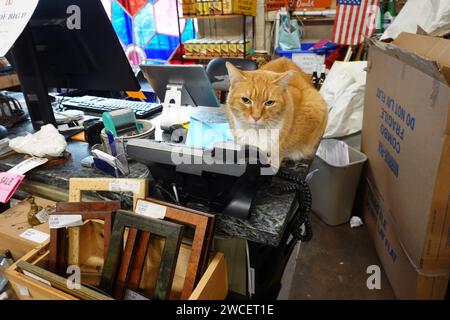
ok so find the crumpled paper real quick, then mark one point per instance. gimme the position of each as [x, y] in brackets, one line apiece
[47, 142]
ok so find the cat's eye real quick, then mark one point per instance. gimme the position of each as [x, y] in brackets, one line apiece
[269, 103]
[246, 100]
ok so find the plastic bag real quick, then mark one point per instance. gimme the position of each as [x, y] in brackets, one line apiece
[429, 15]
[289, 33]
[343, 91]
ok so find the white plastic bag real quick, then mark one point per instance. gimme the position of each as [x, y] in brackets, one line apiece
[343, 91]
[428, 14]
[46, 142]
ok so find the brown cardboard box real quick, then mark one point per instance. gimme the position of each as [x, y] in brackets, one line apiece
[14, 222]
[406, 138]
[406, 281]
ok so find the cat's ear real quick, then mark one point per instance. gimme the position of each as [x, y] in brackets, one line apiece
[283, 79]
[234, 73]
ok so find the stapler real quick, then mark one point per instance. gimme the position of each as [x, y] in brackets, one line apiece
[121, 122]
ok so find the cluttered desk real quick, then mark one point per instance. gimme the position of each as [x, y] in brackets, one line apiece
[132, 140]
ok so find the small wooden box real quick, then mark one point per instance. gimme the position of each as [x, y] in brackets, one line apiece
[13, 222]
[212, 286]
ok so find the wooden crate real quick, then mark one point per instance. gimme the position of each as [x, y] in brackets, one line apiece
[212, 286]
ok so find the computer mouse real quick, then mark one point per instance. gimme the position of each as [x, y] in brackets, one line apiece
[3, 132]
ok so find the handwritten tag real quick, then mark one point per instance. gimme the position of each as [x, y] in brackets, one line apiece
[124, 185]
[57, 221]
[149, 209]
[28, 165]
[35, 235]
[9, 182]
[42, 216]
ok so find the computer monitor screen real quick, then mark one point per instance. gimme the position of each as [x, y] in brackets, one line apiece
[56, 52]
[193, 78]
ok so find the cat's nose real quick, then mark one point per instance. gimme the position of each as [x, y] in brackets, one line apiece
[256, 118]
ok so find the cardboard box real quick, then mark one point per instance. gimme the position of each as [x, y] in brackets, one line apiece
[406, 281]
[406, 138]
[13, 222]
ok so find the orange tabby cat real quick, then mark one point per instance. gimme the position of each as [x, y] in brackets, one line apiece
[278, 96]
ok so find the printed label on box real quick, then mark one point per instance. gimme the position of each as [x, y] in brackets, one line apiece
[35, 235]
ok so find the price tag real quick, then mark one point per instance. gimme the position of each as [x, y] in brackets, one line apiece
[9, 182]
[27, 165]
[35, 235]
[57, 221]
[149, 209]
[42, 216]
[124, 185]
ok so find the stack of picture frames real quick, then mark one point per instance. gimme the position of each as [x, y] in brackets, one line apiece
[87, 246]
[156, 251]
[151, 255]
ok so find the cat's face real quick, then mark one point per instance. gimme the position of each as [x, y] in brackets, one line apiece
[257, 98]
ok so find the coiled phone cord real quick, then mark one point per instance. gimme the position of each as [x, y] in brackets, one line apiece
[302, 215]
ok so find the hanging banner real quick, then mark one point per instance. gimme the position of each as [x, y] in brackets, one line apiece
[14, 16]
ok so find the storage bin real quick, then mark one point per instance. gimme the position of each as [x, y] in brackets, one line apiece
[305, 58]
[213, 285]
[333, 187]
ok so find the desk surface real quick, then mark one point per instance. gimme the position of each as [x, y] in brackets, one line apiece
[268, 217]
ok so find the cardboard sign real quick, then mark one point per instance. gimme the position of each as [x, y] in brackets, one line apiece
[312, 4]
[9, 182]
[245, 7]
[14, 16]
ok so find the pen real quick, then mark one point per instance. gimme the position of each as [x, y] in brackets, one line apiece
[112, 142]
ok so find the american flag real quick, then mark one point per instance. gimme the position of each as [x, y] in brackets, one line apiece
[355, 19]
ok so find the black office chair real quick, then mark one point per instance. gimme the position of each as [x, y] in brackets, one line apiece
[218, 74]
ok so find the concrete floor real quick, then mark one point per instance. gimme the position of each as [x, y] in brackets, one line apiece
[333, 265]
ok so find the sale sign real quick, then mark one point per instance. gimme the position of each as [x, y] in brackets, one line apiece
[9, 182]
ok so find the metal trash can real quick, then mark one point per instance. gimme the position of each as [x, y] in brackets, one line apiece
[333, 187]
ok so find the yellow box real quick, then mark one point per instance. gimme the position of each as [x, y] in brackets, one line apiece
[233, 48]
[225, 49]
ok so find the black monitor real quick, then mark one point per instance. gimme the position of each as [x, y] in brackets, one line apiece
[50, 53]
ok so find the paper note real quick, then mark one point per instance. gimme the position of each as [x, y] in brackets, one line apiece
[35, 235]
[27, 165]
[308, 61]
[205, 135]
[35, 277]
[124, 185]
[14, 16]
[9, 182]
[57, 221]
[150, 209]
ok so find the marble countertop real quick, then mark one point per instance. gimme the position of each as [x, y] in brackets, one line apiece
[267, 222]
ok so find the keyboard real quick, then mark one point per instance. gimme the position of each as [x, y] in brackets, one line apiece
[99, 105]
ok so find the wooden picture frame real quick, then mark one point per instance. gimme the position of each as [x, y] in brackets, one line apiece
[104, 211]
[170, 231]
[203, 224]
[60, 283]
[76, 185]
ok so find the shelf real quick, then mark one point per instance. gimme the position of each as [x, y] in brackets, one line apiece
[210, 58]
[223, 16]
